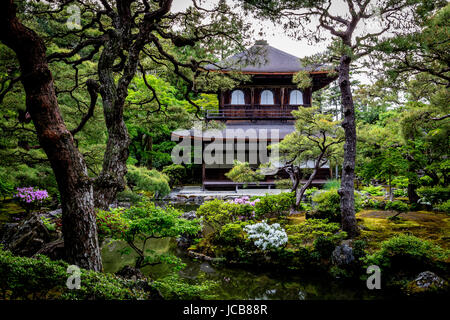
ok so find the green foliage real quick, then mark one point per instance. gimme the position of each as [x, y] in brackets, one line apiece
[129, 196]
[311, 229]
[242, 172]
[174, 288]
[218, 212]
[332, 184]
[374, 204]
[358, 247]
[434, 195]
[142, 179]
[176, 174]
[232, 233]
[444, 207]
[400, 182]
[42, 278]
[408, 254]
[374, 190]
[302, 79]
[324, 246]
[51, 226]
[397, 206]
[274, 205]
[144, 222]
[326, 205]
[283, 184]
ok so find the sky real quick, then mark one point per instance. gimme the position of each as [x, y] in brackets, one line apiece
[274, 35]
[277, 37]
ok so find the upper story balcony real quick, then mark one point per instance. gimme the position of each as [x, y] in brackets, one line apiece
[254, 112]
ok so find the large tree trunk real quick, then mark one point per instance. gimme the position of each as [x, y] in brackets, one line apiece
[346, 191]
[75, 187]
[112, 177]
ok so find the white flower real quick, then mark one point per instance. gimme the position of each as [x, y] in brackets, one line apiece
[266, 236]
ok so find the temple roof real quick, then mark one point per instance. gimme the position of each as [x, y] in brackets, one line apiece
[263, 58]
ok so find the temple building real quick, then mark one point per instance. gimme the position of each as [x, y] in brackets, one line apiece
[256, 113]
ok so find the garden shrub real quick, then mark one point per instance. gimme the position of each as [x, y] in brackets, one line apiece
[374, 190]
[142, 179]
[434, 195]
[176, 174]
[397, 205]
[444, 207]
[232, 233]
[326, 205]
[42, 278]
[129, 196]
[374, 204]
[218, 212]
[400, 182]
[324, 246]
[332, 184]
[308, 231]
[408, 254]
[358, 247]
[274, 205]
[400, 193]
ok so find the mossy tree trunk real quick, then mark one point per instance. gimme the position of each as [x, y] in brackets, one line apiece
[75, 187]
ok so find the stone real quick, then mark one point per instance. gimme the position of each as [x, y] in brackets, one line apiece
[190, 215]
[428, 279]
[28, 236]
[55, 213]
[131, 273]
[54, 250]
[342, 255]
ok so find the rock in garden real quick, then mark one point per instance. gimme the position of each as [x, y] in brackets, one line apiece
[28, 237]
[429, 279]
[342, 255]
[190, 215]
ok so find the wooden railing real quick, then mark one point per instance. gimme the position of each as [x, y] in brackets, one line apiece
[257, 112]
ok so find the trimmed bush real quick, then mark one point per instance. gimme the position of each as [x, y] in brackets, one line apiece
[274, 205]
[176, 174]
[408, 254]
[42, 278]
[308, 231]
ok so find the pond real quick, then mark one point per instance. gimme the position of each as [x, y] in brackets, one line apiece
[237, 282]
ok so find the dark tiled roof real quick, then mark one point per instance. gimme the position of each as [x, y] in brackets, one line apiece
[262, 58]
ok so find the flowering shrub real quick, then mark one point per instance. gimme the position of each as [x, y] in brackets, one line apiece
[266, 236]
[245, 200]
[31, 198]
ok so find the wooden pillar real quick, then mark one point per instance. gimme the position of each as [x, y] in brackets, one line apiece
[203, 176]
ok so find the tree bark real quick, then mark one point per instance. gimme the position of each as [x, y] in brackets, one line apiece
[346, 191]
[112, 177]
[78, 217]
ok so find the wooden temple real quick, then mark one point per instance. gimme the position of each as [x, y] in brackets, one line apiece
[262, 104]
